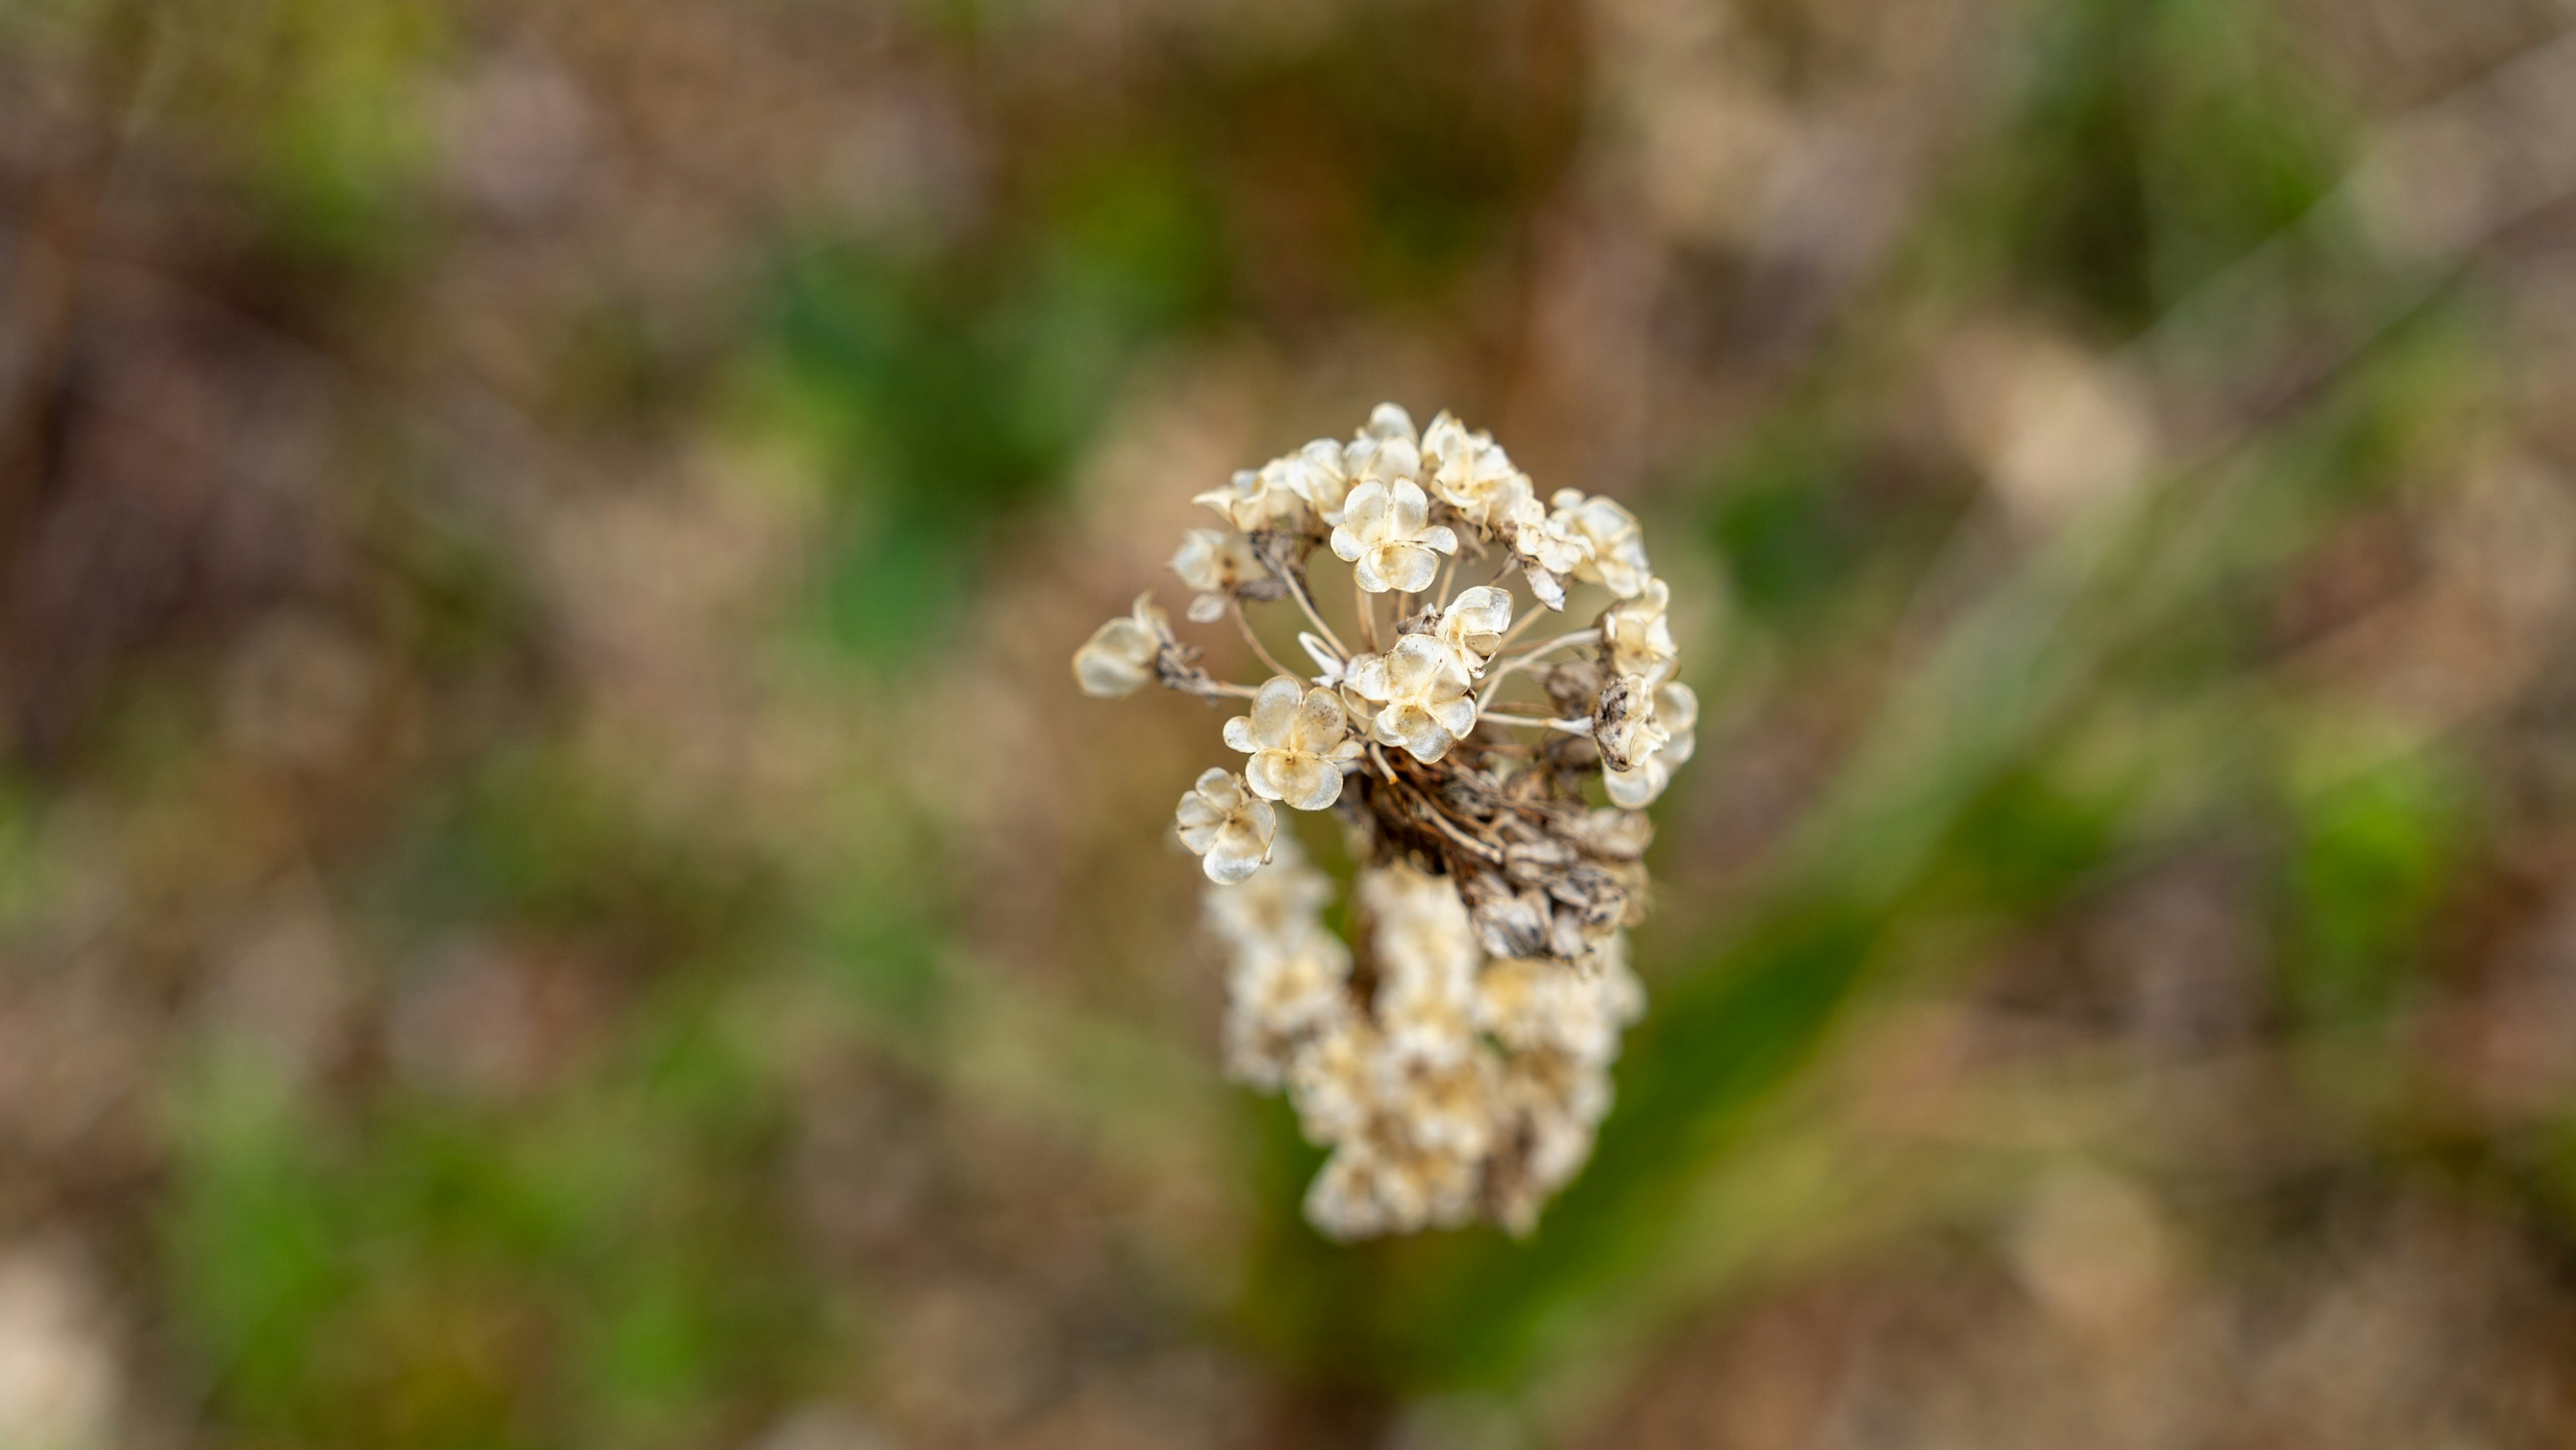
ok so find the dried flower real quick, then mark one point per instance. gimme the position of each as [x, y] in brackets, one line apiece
[1475, 622]
[1618, 552]
[1386, 449]
[1226, 824]
[1119, 657]
[1387, 536]
[1638, 636]
[1677, 717]
[1298, 738]
[1469, 471]
[1454, 1054]
[1624, 727]
[1216, 563]
[1258, 498]
[1420, 693]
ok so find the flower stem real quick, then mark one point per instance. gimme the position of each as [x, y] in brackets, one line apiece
[1570, 727]
[1235, 608]
[1367, 608]
[1297, 591]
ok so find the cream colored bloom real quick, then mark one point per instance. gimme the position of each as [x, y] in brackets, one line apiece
[1265, 497]
[1420, 693]
[1317, 474]
[1618, 561]
[1367, 1189]
[1386, 448]
[1638, 635]
[1387, 536]
[1476, 622]
[1469, 471]
[1676, 718]
[1298, 738]
[1228, 826]
[1119, 657]
[1547, 547]
[1216, 562]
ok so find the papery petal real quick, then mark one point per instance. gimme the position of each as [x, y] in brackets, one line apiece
[1239, 735]
[1456, 716]
[1440, 538]
[1206, 608]
[1346, 540]
[1409, 567]
[1408, 509]
[1637, 789]
[1371, 676]
[1326, 660]
[1312, 785]
[1274, 709]
[1320, 721]
[1389, 420]
[1364, 513]
[1423, 737]
[1543, 583]
[1364, 570]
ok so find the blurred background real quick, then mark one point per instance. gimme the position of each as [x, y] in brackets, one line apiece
[555, 890]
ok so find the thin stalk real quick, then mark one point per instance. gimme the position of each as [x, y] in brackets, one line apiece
[1297, 591]
[1570, 727]
[1367, 611]
[1235, 608]
[1448, 573]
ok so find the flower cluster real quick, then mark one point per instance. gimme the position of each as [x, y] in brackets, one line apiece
[1455, 1052]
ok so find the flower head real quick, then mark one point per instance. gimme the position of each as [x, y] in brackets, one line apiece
[1227, 825]
[1389, 539]
[1452, 1054]
[1298, 738]
[1420, 693]
[1119, 657]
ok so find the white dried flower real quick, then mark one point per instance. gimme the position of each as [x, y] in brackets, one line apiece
[1387, 536]
[1677, 719]
[1618, 555]
[1386, 449]
[1119, 657]
[1297, 738]
[1228, 826]
[1547, 547]
[1259, 498]
[1318, 475]
[1216, 563]
[1419, 692]
[1638, 635]
[1476, 622]
[1469, 471]
[1454, 1054]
